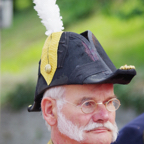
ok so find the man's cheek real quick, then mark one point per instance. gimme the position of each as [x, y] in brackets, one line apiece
[112, 117]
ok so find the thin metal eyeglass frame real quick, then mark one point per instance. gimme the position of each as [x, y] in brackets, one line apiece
[96, 104]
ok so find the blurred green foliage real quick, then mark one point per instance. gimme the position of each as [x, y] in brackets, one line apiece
[21, 96]
[19, 5]
[118, 25]
[72, 10]
[128, 8]
[132, 95]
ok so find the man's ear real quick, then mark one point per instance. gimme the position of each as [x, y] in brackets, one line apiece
[48, 106]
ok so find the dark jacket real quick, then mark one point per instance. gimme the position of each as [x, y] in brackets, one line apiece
[133, 132]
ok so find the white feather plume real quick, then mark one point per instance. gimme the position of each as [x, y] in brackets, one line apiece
[49, 12]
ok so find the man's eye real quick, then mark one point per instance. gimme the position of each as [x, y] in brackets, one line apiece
[89, 104]
[110, 103]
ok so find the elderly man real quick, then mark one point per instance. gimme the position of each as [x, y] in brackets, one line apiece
[75, 89]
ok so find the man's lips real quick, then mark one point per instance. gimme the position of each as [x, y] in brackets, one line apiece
[99, 130]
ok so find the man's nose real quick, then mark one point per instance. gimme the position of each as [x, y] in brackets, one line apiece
[101, 114]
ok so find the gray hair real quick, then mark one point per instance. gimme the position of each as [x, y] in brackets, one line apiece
[56, 93]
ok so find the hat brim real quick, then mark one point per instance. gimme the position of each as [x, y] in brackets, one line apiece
[117, 77]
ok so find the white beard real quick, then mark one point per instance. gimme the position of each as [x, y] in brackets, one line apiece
[67, 128]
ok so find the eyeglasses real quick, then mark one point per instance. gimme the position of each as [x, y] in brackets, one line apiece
[90, 105]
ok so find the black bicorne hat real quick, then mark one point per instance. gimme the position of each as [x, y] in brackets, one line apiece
[80, 60]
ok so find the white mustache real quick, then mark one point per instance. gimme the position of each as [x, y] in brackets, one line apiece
[93, 125]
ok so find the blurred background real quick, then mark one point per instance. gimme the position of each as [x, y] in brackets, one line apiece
[119, 27]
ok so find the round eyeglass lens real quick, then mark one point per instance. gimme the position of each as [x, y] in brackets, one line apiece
[88, 106]
[113, 104]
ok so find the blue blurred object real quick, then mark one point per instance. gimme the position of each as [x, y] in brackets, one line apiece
[132, 133]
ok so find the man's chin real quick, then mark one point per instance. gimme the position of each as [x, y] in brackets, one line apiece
[99, 136]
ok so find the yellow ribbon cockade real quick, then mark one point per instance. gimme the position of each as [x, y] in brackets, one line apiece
[49, 56]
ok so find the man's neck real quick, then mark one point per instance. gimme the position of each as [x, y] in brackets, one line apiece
[58, 138]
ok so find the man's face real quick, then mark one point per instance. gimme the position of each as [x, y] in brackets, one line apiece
[97, 120]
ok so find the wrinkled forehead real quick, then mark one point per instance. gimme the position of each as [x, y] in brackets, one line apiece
[94, 91]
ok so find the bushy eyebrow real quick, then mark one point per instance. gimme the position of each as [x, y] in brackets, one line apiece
[80, 101]
[111, 97]
[83, 99]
